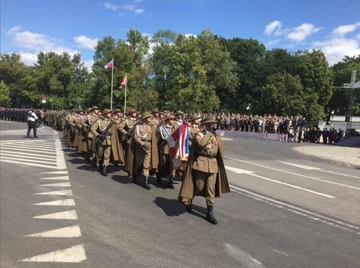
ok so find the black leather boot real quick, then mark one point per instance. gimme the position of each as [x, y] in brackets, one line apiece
[104, 171]
[189, 207]
[171, 183]
[100, 167]
[147, 186]
[88, 159]
[210, 215]
[158, 179]
[134, 179]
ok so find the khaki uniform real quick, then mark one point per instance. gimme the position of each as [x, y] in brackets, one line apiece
[155, 121]
[125, 127]
[194, 129]
[90, 142]
[143, 136]
[166, 167]
[70, 119]
[206, 166]
[103, 150]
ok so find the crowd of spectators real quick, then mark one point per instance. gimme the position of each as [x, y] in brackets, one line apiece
[288, 128]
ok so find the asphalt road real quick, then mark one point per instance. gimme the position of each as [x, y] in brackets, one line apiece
[285, 210]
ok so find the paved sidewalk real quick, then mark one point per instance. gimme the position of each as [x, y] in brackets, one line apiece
[341, 155]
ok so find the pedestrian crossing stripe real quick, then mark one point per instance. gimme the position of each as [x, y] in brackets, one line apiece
[37, 153]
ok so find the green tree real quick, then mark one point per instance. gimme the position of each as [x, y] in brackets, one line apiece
[5, 100]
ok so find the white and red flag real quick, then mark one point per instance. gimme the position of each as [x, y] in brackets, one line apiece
[124, 81]
[110, 65]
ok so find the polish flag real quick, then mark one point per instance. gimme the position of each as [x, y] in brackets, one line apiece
[124, 81]
[110, 65]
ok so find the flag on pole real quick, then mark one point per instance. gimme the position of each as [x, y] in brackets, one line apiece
[110, 65]
[124, 81]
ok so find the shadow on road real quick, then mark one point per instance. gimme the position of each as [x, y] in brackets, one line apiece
[122, 179]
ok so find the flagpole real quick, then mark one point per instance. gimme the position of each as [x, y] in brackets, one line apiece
[112, 83]
[125, 94]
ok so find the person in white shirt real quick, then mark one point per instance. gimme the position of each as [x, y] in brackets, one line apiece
[32, 120]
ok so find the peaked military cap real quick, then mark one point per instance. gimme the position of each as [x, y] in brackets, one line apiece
[131, 111]
[145, 115]
[194, 117]
[154, 111]
[94, 108]
[170, 117]
[117, 110]
[88, 110]
[208, 120]
[179, 113]
[106, 111]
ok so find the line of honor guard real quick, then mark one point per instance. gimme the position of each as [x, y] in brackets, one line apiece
[141, 144]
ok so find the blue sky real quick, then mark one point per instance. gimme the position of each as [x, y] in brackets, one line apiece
[29, 26]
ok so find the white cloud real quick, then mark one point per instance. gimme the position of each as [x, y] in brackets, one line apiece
[271, 43]
[129, 7]
[13, 30]
[139, 10]
[335, 49]
[301, 32]
[190, 35]
[345, 29]
[358, 37]
[89, 64]
[111, 6]
[28, 58]
[86, 42]
[273, 26]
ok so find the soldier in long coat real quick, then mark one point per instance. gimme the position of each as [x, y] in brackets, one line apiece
[143, 146]
[125, 128]
[89, 120]
[205, 173]
[166, 167]
[117, 151]
[104, 148]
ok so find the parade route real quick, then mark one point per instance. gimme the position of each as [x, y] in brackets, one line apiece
[285, 210]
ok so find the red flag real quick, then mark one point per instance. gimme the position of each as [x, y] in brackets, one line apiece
[110, 65]
[124, 81]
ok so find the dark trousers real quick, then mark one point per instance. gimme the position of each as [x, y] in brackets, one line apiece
[31, 125]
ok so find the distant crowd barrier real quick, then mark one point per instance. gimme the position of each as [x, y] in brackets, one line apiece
[248, 135]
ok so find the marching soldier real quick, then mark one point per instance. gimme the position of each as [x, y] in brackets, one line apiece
[125, 128]
[90, 119]
[179, 118]
[100, 131]
[205, 173]
[144, 147]
[70, 119]
[155, 117]
[117, 151]
[194, 126]
[166, 167]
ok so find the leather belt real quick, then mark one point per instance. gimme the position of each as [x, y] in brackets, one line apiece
[208, 156]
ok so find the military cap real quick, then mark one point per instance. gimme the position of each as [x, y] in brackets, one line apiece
[131, 111]
[88, 110]
[194, 117]
[208, 120]
[179, 113]
[145, 115]
[94, 108]
[154, 111]
[117, 111]
[170, 117]
[106, 111]
[78, 110]
[161, 113]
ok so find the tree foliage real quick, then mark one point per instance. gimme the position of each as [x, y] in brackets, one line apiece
[206, 73]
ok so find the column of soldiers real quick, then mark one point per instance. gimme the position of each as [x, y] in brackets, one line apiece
[140, 143]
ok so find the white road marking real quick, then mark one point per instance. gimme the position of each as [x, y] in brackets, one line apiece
[60, 172]
[26, 164]
[238, 170]
[68, 232]
[65, 215]
[340, 174]
[74, 254]
[28, 157]
[60, 184]
[297, 210]
[63, 192]
[282, 253]
[28, 150]
[286, 184]
[299, 166]
[61, 164]
[296, 174]
[244, 258]
[60, 178]
[65, 202]
[24, 161]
